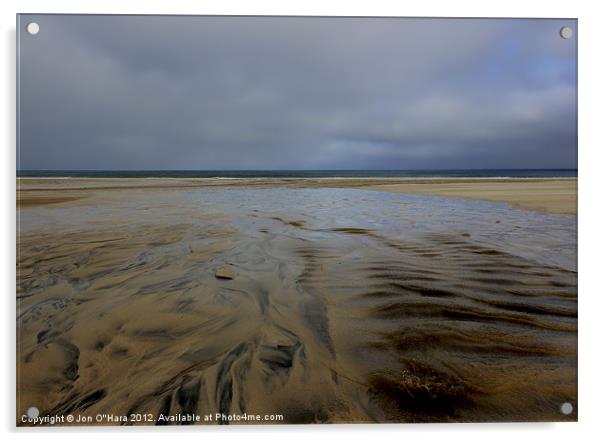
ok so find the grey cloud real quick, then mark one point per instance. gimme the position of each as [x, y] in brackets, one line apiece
[295, 93]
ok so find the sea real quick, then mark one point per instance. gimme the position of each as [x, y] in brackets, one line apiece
[308, 174]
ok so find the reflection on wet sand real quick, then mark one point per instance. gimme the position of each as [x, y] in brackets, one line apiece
[331, 315]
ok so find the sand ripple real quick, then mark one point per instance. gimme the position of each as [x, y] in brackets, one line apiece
[323, 322]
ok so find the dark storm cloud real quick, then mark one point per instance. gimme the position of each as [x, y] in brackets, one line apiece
[295, 93]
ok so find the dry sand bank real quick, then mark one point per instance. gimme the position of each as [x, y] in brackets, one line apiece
[553, 195]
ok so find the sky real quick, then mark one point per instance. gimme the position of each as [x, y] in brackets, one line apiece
[295, 93]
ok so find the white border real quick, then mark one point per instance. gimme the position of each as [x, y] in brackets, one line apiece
[590, 305]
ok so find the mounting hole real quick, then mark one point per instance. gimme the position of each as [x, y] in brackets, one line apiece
[33, 412]
[566, 32]
[566, 408]
[32, 28]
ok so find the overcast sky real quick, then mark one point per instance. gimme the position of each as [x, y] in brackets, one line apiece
[208, 93]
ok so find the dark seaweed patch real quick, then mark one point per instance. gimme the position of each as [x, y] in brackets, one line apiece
[420, 391]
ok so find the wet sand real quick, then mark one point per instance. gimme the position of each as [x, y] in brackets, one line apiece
[344, 306]
[553, 195]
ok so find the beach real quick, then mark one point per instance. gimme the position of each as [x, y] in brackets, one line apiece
[553, 195]
[322, 300]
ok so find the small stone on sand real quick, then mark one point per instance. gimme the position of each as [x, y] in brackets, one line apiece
[225, 272]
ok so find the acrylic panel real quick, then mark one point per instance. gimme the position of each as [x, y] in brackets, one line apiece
[295, 220]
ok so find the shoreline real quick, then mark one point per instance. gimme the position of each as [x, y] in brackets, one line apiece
[551, 195]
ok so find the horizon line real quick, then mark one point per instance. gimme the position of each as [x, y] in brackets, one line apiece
[286, 169]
